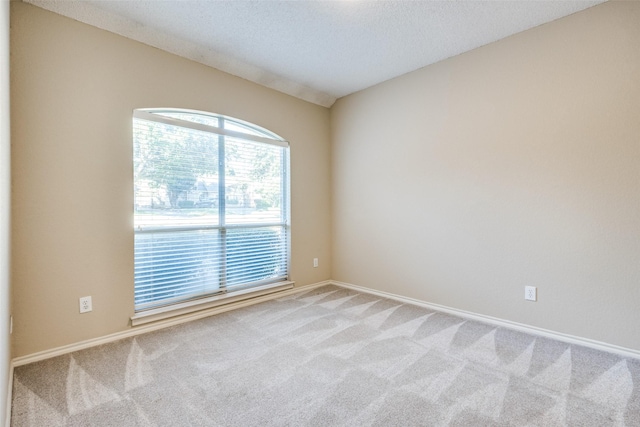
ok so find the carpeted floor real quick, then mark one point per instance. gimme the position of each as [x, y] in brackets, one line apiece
[330, 357]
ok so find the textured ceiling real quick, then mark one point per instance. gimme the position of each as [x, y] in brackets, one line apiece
[316, 50]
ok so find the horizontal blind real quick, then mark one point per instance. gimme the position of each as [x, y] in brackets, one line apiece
[186, 245]
[255, 255]
[174, 266]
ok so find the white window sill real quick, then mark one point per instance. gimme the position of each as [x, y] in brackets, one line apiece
[200, 304]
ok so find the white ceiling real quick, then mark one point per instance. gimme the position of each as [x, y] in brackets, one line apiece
[316, 50]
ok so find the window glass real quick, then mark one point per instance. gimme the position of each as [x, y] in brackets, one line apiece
[211, 211]
[203, 119]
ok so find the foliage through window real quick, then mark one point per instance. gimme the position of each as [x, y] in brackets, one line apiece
[211, 206]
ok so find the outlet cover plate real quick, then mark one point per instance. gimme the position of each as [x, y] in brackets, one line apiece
[530, 293]
[85, 305]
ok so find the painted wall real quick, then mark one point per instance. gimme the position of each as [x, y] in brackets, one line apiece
[5, 200]
[514, 164]
[74, 88]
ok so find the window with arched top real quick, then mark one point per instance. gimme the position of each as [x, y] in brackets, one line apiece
[211, 197]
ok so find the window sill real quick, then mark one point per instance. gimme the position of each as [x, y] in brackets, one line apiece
[188, 307]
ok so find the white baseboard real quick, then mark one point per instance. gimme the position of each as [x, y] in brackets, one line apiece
[571, 339]
[160, 324]
[7, 421]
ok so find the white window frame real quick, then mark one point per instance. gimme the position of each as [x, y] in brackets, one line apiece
[257, 289]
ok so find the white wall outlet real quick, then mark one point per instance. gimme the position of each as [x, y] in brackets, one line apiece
[315, 262]
[531, 293]
[85, 305]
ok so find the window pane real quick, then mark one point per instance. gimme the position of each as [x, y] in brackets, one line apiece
[245, 128]
[254, 178]
[175, 175]
[192, 117]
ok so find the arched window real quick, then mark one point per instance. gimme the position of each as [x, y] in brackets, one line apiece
[211, 204]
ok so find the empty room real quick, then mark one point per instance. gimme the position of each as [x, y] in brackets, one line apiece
[331, 213]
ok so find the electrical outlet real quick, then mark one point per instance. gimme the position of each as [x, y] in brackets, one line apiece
[85, 305]
[315, 262]
[530, 293]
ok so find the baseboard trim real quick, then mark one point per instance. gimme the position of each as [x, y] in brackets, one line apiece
[533, 330]
[160, 324]
[7, 421]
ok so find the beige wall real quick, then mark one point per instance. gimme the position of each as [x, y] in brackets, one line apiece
[5, 196]
[515, 164]
[74, 88]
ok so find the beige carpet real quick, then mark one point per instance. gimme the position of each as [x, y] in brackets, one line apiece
[330, 357]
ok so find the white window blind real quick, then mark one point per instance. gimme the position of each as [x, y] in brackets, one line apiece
[211, 206]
